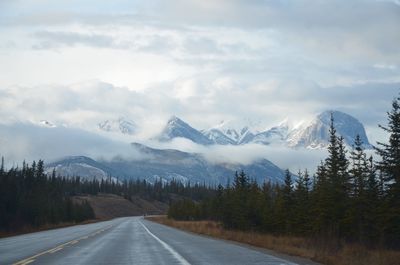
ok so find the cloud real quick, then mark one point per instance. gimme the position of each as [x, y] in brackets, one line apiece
[25, 141]
[50, 40]
[203, 61]
[326, 42]
[293, 159]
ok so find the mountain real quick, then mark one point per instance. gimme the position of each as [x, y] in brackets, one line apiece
[81, 166]
[312, 135]
[120, 125]
[230, 132]
[275, 135]
[176, 127]
[316, 133]
[239, 133]
[218, 137]
[167, 164]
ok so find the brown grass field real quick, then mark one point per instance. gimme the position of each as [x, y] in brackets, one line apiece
[295, 246]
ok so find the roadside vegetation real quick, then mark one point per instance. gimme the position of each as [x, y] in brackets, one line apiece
[348, 254]
[29, 199]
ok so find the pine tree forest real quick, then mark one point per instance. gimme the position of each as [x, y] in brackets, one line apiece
[30, 198]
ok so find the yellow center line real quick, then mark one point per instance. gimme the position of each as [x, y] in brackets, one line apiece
[28, 261]
[57, 248]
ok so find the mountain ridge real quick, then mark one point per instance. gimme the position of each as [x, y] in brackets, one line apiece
[312, 135]
[168, 165]
[176, 128]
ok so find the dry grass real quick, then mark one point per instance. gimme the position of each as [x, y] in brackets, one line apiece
[108, 206]
[296, 246]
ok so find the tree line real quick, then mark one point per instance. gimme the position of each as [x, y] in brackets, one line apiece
[350, 198]
[30, 197]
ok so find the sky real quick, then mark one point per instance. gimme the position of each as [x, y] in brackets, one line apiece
[78, 63]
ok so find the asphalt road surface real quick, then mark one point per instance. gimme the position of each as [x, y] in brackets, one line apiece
[130, 240]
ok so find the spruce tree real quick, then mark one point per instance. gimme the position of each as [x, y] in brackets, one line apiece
[287, 193]
[389, 168]
[359, 175]
[301, 207]
[332, 188]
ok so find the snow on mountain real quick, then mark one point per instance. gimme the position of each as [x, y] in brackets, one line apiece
[232, 132]
[120, 125]
[315, 134]
[81, 166]
[310, 135]
[218, 137]
[239, 133]
[274, 135]
[176, 127]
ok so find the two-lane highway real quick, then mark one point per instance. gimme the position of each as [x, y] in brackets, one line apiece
[130, 240]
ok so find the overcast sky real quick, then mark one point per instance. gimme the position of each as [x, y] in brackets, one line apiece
[80, 62]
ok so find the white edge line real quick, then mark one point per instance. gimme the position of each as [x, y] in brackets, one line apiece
[181, 259]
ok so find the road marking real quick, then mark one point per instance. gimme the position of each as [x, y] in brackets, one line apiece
[181, 259]
[57, 248]
[28, 261]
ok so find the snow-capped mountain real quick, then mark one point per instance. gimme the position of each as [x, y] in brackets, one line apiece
[316, 133]
[218, 137]
[275, 135]
[231, 132]
[312, 135]
[176, 127]
[236, 134]
[120, 125]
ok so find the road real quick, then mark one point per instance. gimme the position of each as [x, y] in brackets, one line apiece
[130, 240]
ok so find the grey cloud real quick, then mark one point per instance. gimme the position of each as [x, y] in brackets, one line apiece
[142, 43]
[334, 32]
[201, 46]
[282, 58]
[157, 44]
[21, 141]
[309, 15]
[52, 39]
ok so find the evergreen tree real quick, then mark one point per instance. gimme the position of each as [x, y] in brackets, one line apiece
[301, 204]
[332, 188]
[359, 175]
[287, 202]
[389, 168]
